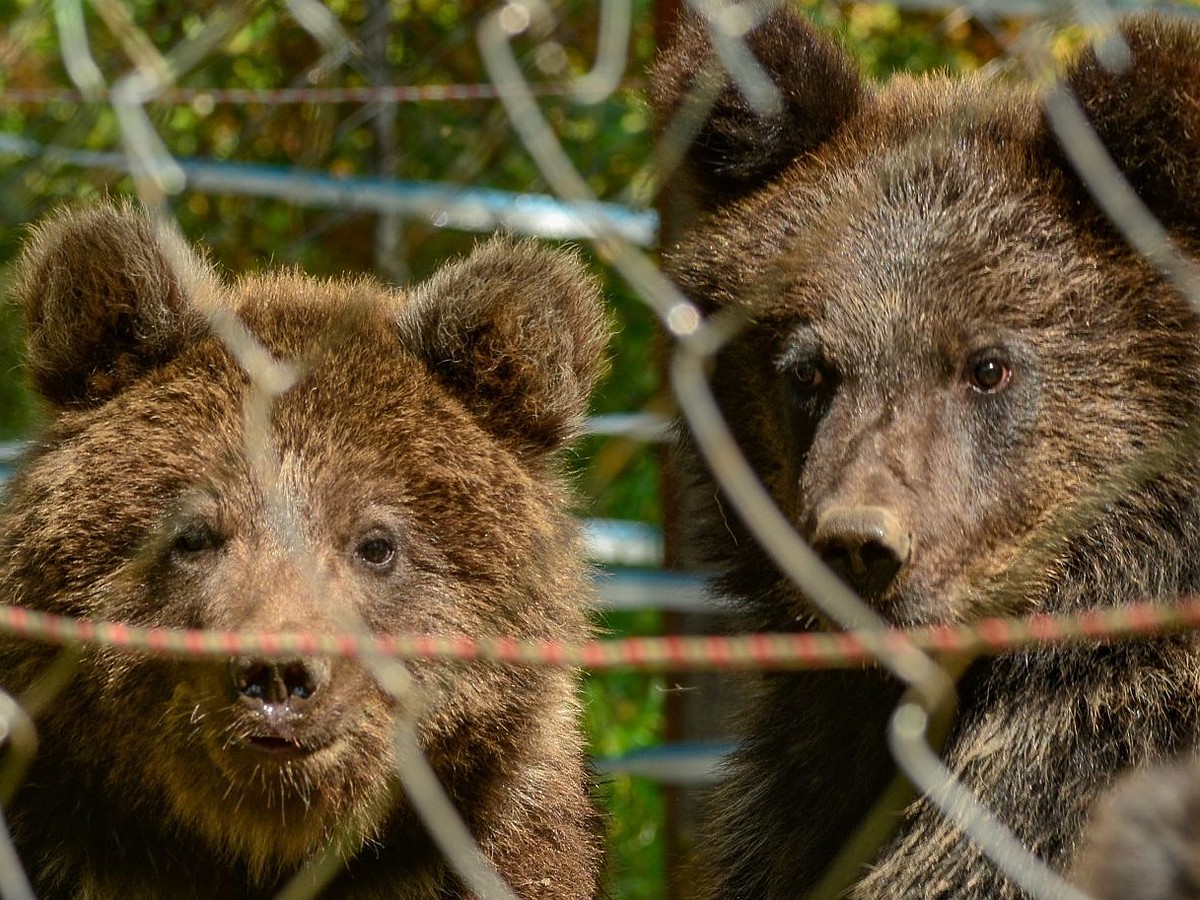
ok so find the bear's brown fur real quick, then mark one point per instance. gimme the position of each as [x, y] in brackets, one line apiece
[1143, 842]
[405, 482]
[964, 388]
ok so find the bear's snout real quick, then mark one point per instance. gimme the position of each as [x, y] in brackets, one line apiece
[277, 682]
[279, 696]
[865, 545]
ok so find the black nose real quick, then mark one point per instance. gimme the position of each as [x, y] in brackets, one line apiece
[275, 681]
[865, 545]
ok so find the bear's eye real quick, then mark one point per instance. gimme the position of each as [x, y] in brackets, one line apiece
[197, 537]
[989, 374]
[805, 365]
[809, 376]
[378, 551]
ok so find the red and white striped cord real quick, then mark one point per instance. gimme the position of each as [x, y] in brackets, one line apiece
[671, 652]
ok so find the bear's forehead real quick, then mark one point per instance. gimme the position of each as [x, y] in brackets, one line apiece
[344, 436]
[936, 109]
[296, 316]
[910, 248]
[348, 390]
[950, 220]
[362, 404]
[899, 190]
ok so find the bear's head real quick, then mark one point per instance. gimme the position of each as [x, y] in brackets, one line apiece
[955, 378]
[282, 453]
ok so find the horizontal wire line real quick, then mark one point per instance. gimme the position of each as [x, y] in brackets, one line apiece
[759, 651]
[426, 93]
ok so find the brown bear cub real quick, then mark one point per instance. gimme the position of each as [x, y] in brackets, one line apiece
[393, 472]
[972, 397]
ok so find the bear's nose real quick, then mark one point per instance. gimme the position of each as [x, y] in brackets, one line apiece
[275, 682]
[865, 545]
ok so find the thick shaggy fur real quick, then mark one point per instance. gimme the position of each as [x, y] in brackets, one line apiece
[883, 244]
[406, 482]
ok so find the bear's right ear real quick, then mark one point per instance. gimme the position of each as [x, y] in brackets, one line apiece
[517, 332]
[107, 297]
[1147, 113]
[736, 149]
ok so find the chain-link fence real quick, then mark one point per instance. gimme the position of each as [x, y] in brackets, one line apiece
[386, 137]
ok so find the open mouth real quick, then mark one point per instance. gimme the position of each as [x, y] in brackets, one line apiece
[277, 746]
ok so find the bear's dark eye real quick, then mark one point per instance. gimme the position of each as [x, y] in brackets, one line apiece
[377, 551]
[989, 374]
[197, 537]
[809, 376]
[805, 365]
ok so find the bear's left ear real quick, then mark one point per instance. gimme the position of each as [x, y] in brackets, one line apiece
[736, 150]
[517, 331]
[108, 296]
[1147, 113]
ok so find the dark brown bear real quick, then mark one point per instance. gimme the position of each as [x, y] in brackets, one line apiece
[971, 397]
[394, 471]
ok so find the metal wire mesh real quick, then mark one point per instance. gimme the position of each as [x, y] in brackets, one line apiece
[504, 39]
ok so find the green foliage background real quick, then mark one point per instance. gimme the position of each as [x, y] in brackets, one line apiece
[466, 142]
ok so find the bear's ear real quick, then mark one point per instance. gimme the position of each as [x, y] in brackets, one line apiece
[107, 298]
[1147, 113]
[736, 149]
[517, 331]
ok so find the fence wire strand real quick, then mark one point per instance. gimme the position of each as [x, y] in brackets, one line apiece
[927, 660]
